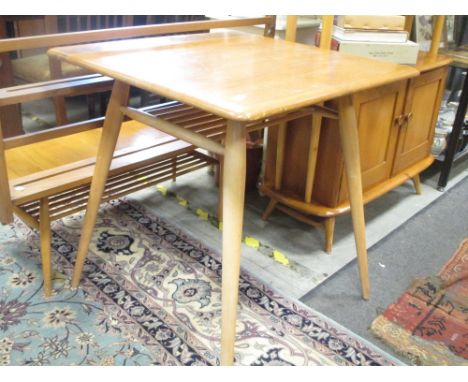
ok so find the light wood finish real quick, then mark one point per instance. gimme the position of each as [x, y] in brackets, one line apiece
[107, 144]
[26, 218]
[280, 155]
[312, 155]
[224, 56]
[326, 36]
[417, 184]
[230, 75]
[299, 216]
[220, 189]
[187, 135]
[45, 232]
[52, 133]
[61, 87]
[59, 102]
[329, 225]
[391, 152]
[295, 200]
[438, 26]
[427, 62]
[10, 116]
[291, 28]
[421, 110]
[46, 41]
[233, 211]
[350, 145]
[6, 207]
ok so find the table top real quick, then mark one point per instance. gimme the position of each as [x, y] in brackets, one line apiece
[235, 75]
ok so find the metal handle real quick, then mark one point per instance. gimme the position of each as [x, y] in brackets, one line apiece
[400, 120]
[408, 117]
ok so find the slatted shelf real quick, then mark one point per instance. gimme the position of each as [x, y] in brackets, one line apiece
[75, 200]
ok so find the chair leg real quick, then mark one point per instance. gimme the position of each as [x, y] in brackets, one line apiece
[271, 206]
[44, 230]
[329, 225]
[417, 184]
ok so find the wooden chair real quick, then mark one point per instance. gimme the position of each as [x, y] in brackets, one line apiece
[46, 175]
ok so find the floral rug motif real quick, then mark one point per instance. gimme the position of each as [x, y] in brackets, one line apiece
[150, 295]
[429, 322]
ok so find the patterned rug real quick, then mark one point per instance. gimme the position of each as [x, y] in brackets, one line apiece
[150, 296]
[429, 322]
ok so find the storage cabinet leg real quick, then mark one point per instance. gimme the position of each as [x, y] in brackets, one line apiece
[233, 211]
[417, 184]
[329, 225]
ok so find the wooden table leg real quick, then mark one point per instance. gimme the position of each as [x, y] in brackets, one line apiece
[350, 145]
[233, 211]
[110, 133]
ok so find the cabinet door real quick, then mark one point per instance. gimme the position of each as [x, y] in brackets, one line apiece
[423, 102]
[376, 111]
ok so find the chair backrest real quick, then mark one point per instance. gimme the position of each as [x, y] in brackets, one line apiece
[17, 95]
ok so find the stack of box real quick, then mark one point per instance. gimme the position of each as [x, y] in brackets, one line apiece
[380, 37]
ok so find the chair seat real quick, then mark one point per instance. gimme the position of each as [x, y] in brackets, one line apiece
[36, 69]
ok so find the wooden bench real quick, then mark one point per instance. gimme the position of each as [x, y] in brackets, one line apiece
[46, 175]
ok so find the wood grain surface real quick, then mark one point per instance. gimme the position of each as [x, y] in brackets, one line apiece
[235, 75]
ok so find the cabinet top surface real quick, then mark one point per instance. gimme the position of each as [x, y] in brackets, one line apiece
[235, 75]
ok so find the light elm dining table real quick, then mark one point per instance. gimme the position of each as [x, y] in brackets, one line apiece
[245, 79]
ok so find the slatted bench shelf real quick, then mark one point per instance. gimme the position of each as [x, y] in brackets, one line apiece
[121, 182]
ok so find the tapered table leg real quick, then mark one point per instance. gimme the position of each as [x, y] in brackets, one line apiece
[233, 210]
[350, 145]
[110, 133]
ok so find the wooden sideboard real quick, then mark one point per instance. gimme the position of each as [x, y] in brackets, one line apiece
[396, 125]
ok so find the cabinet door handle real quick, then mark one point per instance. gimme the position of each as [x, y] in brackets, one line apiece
[400, 120]
[408, 117]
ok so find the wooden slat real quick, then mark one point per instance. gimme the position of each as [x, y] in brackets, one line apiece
[280, 147]
[74, 128]
[326, 36]
[62, 87]
[291, 28]
[6, 207]
[312, 155]
[26, 218]
[137, 185]
[43, 41]
[126, 178]
[177, 131]
[299, 216]
[438, 26]
[75, 177]
[52, 133]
